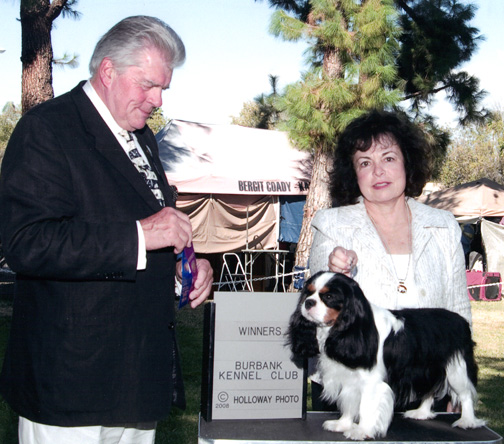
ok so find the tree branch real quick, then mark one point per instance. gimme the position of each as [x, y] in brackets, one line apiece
[55, 9]
[419, 93]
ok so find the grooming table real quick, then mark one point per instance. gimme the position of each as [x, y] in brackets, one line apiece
[309, 430]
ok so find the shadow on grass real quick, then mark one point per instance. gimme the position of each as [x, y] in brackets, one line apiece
[9, 423]
[182, 426]
[8, 419]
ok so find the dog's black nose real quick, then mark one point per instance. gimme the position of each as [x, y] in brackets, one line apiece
[309, 303]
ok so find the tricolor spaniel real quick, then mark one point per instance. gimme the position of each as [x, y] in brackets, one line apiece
[371, 359]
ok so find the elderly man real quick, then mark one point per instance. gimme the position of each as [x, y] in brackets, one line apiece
[89, 225]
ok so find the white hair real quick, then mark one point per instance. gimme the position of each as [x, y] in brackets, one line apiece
[124, 42]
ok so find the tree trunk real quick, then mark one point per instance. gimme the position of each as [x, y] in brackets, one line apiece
[332, 63]
[36, 53]
[37, 17]
[318, 197]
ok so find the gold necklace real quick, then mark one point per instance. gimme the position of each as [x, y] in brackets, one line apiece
[401, 286]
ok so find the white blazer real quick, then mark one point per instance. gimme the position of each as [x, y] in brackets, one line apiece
[438, 258]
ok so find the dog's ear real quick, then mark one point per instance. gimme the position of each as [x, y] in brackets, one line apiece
[353, 339]
[302, 335]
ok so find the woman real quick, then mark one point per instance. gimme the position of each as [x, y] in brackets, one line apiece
[402, 253]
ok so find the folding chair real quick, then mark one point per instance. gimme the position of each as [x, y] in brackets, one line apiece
[233, 276]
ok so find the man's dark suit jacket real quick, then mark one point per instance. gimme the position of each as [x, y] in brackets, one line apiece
[92, 339]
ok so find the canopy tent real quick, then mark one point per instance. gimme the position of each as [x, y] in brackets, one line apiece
[493, 243]
[470, 201]
[231, 181]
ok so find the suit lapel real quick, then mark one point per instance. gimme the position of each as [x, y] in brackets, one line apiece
[420, 227]
[107, 145]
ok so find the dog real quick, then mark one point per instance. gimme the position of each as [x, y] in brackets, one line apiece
[371, 359]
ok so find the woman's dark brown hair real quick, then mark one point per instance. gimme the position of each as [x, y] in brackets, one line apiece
[360, 135]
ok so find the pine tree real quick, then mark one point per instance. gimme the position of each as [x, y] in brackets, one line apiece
[353, 53]
[435, 40]
[157, 121]
[371, 54]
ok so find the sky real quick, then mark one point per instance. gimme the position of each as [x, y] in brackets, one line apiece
[230, 53]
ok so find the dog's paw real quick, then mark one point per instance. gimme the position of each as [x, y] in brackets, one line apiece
[419, 414]
[468, 423]
[357, 433]
[337, 425]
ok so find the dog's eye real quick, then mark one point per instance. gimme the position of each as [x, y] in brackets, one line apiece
[327, 297]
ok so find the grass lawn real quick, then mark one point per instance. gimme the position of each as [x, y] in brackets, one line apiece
[182, 426]
[488, 327]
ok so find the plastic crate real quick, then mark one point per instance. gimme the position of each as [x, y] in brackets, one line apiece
[486, 292]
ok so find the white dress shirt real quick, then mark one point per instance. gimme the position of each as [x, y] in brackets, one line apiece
[115, 128]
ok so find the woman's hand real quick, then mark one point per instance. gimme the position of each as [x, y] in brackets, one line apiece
[342, 261]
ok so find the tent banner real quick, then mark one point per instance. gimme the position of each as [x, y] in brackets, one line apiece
[231, 159]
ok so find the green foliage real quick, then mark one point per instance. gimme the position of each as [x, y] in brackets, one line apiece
[465, 164]
[67, 60]
[157, 121]
[8, 119]
[248, 115]
[283, 25]
[68, 10]
[381, 53]
[263, 112]
[352, 67]
[439, 139]
[475, 152]
[436, 39]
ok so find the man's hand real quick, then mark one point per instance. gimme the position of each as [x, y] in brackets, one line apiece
[167, 228]
[203, 284]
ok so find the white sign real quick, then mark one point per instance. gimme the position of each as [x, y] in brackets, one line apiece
[253, 376]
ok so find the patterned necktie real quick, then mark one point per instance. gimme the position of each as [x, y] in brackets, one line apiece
[143, 167]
